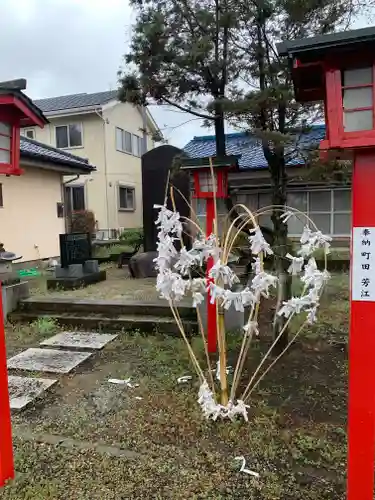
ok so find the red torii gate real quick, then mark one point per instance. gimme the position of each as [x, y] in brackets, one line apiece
[16, 111]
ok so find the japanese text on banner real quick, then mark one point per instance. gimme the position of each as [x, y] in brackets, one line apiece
[363, 264]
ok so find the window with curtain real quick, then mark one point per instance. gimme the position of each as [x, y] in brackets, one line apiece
[124, 141]
[69, 136]
[137, 145]
[126, 198]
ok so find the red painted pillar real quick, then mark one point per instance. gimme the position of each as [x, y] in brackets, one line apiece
[361, 413]
[211, 308]
[6, 446]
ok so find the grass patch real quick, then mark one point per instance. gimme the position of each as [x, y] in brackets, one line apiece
[295, 438]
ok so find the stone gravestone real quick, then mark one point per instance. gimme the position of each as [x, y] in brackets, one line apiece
[77, 267]
[75, 248]
[12, 289]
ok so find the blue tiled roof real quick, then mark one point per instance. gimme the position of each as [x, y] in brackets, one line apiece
[42, 152]
[250, 148]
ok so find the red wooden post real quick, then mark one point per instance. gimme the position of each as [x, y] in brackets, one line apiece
[6, 447]
[205, 189]
[211, 308]
[361, 428]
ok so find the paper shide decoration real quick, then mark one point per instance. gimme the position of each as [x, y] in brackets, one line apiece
[176, 280]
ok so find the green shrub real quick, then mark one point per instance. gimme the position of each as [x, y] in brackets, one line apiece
[44, 325]
[100, 252]
[117, 248]
[132, 237]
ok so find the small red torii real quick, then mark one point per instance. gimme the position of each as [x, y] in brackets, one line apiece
[210, 176]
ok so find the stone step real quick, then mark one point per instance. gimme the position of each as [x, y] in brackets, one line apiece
[107, 307]
[122, 322]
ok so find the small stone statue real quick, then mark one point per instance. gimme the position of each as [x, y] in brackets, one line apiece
[6, 259]
[7, 256]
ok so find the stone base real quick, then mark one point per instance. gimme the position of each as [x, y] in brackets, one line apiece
[79, 340]
[11, 280]
[69, 283]
[234, 320]
[12, 295]
[24, 390]
[47, 360]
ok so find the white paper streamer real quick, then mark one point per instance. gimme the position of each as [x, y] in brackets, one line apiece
[243, 469]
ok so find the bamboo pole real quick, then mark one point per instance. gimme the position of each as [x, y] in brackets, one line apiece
[209, 366]
[222, 357]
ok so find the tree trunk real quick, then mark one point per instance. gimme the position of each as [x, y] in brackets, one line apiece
[220, 134]
[281, 248]
[284, 287]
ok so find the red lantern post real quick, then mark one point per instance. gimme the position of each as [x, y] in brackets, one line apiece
[16, 110]
[340, 69]
[209, 185]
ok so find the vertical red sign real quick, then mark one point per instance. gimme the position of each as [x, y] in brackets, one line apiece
[361, 413]
[6, 445]
[211, 308]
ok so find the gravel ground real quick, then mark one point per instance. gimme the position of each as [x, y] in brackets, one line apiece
[118, 285]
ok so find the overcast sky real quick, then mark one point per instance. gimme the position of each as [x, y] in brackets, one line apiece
[69, 46]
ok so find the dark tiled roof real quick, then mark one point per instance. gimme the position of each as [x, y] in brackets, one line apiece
[75, 101]
[37, 151]
[14, 91]
[250, 147]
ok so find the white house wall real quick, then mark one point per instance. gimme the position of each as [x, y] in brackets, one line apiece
[28, 219]
[113, 167]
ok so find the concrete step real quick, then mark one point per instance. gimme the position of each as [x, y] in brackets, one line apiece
[123, 322]
[107, 307]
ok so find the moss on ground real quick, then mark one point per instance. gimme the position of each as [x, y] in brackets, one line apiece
[295, 437]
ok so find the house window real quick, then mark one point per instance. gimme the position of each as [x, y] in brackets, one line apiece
[137, 145]
[123, 141]
[5, 143]
[330, 210]
[357, 98]
[222, 212]
[255, 201]
[126, 198]
[74, 198]
[69, 136]
[29, 133]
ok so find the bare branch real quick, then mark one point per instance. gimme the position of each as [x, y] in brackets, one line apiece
[188, 110]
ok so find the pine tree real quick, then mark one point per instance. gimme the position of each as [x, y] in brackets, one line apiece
[216, 59]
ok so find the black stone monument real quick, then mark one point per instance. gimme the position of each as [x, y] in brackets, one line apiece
[156, 164]
[75, 248]
[77, 267]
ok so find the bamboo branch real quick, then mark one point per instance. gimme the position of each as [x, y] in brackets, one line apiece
[191, 352]
[209, 366]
